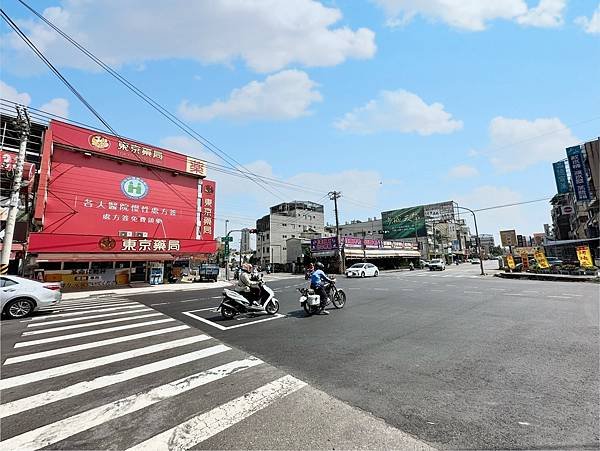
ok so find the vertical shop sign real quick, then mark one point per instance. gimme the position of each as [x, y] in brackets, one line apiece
[578, 175]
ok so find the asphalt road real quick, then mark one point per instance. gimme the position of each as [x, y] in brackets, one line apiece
[455, 359]
[449, 358]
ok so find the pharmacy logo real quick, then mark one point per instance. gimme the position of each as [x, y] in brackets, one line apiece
[134, 187]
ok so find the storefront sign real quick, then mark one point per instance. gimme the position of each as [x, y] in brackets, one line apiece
[89, 140]
[567, 210]
[206, 222]
[510, 261]
[100, 196]
[351, 242]
[578, 175]
[8, 163]
[508, 238]
[584, 256]
[560, 176]
[540, 258]
[324, 244]
[371, 243]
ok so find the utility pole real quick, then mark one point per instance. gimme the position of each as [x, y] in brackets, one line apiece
[335, 195]
[226, 252]
[23, 125]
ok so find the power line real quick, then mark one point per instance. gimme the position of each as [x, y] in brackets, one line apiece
[158, 107]
[513, 204]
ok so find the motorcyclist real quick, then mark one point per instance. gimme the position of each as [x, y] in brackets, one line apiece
[249, 288]
[316, 283]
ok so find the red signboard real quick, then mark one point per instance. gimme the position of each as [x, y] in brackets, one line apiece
[8, 163]
[89, 195]
[100, 143]
[206, 224]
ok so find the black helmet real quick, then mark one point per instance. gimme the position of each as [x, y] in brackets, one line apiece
[320, 266]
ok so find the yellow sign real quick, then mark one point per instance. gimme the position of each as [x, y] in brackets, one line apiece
[511, 261]
[584, 256]
[540, 258]
[525, 260]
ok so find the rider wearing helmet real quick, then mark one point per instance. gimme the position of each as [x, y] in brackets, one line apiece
[249, 288]
[316, 283]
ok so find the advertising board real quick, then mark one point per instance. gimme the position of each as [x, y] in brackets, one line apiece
[323, 244]
[508, 238]
[404, 223]
[578, 174]
[560, 177]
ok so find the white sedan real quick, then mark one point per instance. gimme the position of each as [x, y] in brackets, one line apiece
[362, 270]
[21, 297]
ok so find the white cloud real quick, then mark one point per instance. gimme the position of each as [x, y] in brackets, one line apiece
[526, 219]
[7, 92]
[473, 15]
[58, 106]
[518, 143]
[243, 201]
[399, 111]
[267, 35]
[285, 95]
[591, 25]
[463, 171]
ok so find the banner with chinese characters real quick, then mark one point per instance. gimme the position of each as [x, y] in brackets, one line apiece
[510, 261]
[101, 143]
[541, 260]
[206, 225]
[578, 174]
[584, 256]
[525, 260]
[62, 243]
[89, 195]
[560, 177]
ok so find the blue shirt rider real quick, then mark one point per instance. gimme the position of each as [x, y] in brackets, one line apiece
[316, 283]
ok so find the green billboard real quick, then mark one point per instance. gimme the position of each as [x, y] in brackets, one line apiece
[402, 223]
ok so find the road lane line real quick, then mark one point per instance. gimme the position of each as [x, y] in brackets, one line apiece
[84, 318]
[201, 427]
[407, 289]
[95, 323]
[100, 361]
[441, 291]
[110, 309]
[473, 292]
[63, 307]
[560, 297]
[160, 303]
[23, 344]
[514, 294]
[60, 430]
[35, 401]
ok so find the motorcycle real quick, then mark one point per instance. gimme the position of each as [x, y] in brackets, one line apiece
[311, 302]
[235, 303]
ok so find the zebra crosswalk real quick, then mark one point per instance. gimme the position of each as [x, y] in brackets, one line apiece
[115, 374]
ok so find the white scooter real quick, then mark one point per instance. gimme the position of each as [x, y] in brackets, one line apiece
[234, 303]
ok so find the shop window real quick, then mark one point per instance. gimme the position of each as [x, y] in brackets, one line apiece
[50, 266]
[76, 265]
[102, 265]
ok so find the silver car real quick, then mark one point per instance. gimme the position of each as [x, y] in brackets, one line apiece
[20, 297]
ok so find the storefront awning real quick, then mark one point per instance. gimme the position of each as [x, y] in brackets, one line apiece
[106, 257]
[380, 253]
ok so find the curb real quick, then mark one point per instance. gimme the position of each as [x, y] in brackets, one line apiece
[550, 278]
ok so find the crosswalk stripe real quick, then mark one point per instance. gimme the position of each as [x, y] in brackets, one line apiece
[37, 318]
[32, 402]
[204, 426]
[100, 361]
[94, 323]
[91, 302]
[40, 341]
[88, 307]
[60, 430]
[83, 318]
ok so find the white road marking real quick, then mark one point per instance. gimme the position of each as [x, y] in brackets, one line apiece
[560, 297]
[110, 309]
[89, 306]
[498, 289]
[23, 344]
[94, 323]
[441, 291]
[160, 303]
[407, 289]
[514, 294]
[218, 326]
[473, 292]
[60, 430]
[381, 289]
[524, 423]
[32, 402]
[191, 300]
[84, 318]
[94, 344]
[204, 426]
[353, 288]
[529, 291]
[98, 361]
[576, 295]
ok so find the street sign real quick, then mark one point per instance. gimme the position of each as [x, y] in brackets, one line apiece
[226, 239]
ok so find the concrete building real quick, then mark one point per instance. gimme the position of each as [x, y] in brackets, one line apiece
[245, 242]
[487, 243]
[371, 228]
[286, 220]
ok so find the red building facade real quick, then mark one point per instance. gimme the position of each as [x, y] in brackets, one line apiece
[103, 198]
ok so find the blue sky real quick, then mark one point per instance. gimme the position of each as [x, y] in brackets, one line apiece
[393, 102]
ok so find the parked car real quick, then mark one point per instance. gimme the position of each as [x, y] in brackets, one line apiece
[20, 297]
[423, 264]
[362, 270]
[437, 264]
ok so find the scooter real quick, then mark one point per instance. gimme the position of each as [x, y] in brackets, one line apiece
[234, 303]
[311, 302]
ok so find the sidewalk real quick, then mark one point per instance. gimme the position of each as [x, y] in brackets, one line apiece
[151, 289]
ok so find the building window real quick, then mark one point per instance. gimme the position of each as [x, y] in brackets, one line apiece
[283, 224]
[284, 248]
[283, 236]
[267, 236]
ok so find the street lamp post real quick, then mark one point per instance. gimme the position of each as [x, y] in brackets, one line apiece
[477, 242]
